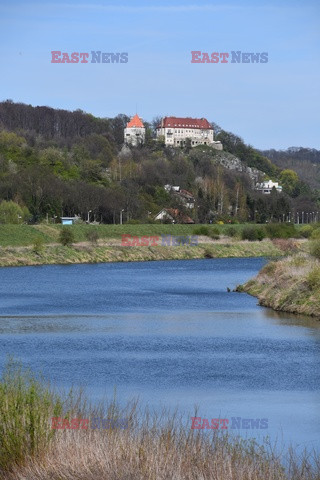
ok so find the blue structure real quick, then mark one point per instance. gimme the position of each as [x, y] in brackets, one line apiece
[68, 220]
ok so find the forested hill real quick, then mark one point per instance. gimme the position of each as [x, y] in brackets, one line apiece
[304, 161]
[61, 125]
[55, 162]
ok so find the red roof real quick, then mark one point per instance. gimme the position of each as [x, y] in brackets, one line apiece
[135, 122]
[175, 213]
[177, 122]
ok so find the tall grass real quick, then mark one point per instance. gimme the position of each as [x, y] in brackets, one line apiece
[154, 446]
[25, 406]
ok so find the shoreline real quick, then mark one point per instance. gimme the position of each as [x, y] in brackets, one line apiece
[55, 254]
[288, 285]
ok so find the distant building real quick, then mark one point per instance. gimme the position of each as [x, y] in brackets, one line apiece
[69, 220]
[266, 187]
[135, 132]
[185, 197]
[173, 215]
[176, 131]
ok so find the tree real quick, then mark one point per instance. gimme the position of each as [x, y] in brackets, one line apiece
[11, 212]
[289, 181]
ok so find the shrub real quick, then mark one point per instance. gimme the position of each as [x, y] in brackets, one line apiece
[92, 236]
[231, 232]
[316, 234]
[281, 230]
[201, 230]
[26, 405]
[315, 248]
[214, 233]
[313, 278]
[306, 231]
[253, 233]
[66, 236]
[38, 245]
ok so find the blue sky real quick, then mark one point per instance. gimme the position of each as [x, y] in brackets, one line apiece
[270, 105]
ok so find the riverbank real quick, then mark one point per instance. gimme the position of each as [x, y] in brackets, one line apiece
[290, 285]
[112, 251]
[46, 436]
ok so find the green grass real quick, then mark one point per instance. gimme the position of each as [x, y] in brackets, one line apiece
[22, 235]
[25, 407]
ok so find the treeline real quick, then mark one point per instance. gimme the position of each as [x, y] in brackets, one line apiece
[305, 161]
[56, 163]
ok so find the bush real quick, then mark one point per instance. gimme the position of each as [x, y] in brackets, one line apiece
[25, 408]
[38, 245]
[253, 234]
[316, 234]
[201, 230]
[92, 236]
[231, 232]
[281, 230]
[214, 233]
[306, 231]
[313, 279]
[315, 248]
[66, 236]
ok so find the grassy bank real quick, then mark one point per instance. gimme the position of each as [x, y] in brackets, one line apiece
[24, 235]
[104, 252]
[291, 284]
[151, 447]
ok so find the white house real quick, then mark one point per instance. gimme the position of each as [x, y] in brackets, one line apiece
[176, 131]
[266, 187]
[135, 132]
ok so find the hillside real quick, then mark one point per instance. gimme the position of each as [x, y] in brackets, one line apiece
[304, 161]
[55, 162]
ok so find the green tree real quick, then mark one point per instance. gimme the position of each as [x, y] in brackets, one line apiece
[11, 212]
[289, 181]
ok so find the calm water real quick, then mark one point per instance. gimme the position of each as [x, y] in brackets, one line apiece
[170, 333]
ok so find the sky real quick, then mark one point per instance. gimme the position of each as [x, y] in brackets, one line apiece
[270, 105]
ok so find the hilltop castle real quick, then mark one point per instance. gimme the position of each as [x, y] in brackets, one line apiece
[135, 132]
[176, 132]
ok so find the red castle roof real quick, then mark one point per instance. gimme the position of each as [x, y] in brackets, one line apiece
[135, 122]
[187, 122]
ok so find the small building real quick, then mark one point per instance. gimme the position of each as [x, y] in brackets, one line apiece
[187, 198]
[266, 187]
[176, 131]
[184, 196]
[173, 215]
[135, 132]
[69, 220]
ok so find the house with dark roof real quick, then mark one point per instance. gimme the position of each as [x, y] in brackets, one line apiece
[176, 131]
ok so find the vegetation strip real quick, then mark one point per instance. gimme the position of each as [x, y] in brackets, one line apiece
[152, 446]
[291, 284]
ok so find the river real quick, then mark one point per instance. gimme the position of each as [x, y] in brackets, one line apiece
[170, 333]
